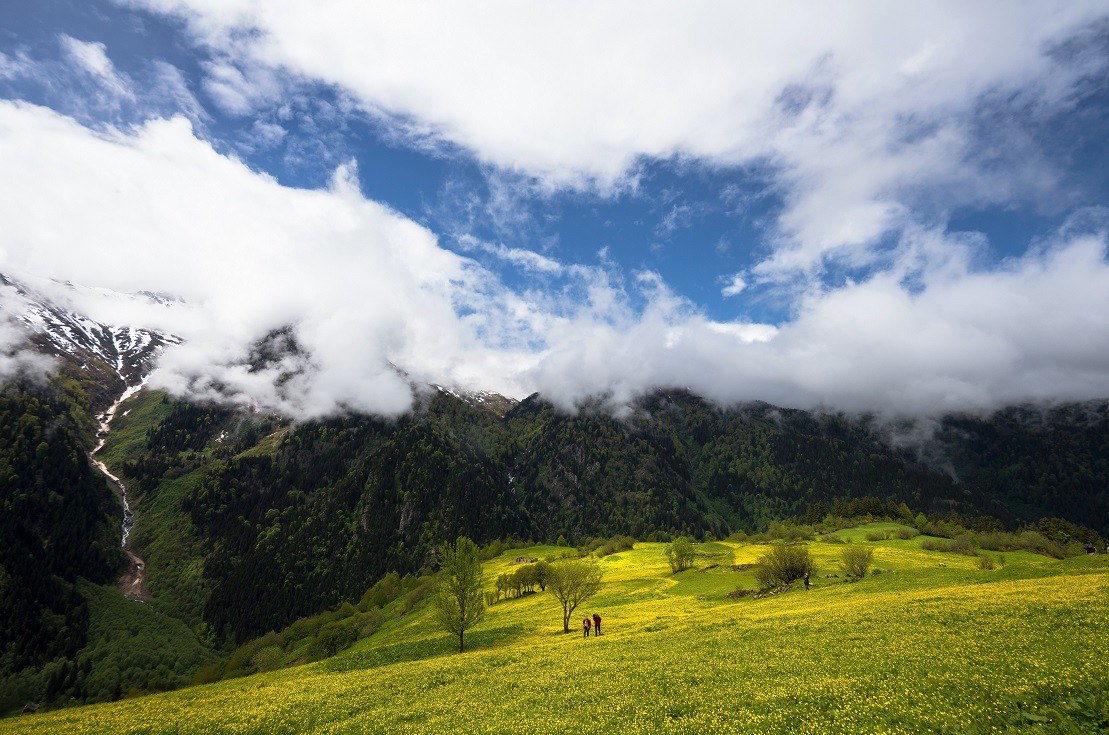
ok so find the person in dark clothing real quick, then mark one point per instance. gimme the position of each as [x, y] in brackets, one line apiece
[585, 622]
[596, 624]
[806, 578]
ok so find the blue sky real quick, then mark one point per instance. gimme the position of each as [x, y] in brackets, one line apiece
[717, 167]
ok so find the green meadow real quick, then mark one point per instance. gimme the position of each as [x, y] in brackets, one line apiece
[931, 643]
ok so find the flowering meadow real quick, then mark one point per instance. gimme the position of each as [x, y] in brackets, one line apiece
[929, 644]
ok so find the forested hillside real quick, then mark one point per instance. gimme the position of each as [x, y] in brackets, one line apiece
[59, 521]
[248, 523]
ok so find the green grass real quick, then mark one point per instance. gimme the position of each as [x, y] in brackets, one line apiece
[163, 535]
[925, 649]
[134, 417]
[167, 541]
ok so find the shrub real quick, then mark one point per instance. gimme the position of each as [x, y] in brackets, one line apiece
[907, 533]
[331, 639]
[615, 544]
[679, 553]
[855, 561]
[777, 530]
[833, 539]
[267, 659]
[371, 622]
[958, 545]
[417, 595]
[782, 565]
[876, 536]
[986, 562]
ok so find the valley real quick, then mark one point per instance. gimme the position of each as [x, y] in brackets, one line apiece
[929, 644]
[234, 543]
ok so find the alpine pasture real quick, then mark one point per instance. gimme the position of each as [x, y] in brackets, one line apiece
[930, 643]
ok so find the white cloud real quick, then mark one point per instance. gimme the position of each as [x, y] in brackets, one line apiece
[92, 58]
[369, 292]
[161, 210]
[15, 67]
[520, 257]
[17, 358]
[963, 340]
[864, 110]
[735, 286]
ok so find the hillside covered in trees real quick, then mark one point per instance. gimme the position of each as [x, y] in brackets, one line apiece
[248, 523]
[275, 522]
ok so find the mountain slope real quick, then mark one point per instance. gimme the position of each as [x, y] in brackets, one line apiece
[926, 649]
[128, 350]
[288, 520]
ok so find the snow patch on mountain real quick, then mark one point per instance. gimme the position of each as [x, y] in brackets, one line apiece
[129, 350]
[494, 402]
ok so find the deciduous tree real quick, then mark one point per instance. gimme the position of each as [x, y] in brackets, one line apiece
[572, 583]
[679, 553]
[459, 603]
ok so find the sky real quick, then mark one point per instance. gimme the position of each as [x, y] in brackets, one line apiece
[862, 206]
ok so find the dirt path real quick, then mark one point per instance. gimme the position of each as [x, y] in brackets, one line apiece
[132, 582]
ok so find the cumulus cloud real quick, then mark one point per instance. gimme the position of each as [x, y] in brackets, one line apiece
[864, 111]
[955, 339]
[368, 292]
[371, 300]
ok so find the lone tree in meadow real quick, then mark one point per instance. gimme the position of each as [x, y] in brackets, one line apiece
[855, 560]
[679, 553]
[782, 565]
[572, 583]
[459, 602]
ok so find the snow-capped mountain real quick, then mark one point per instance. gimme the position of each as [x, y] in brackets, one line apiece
[129, 350]
[494, 402]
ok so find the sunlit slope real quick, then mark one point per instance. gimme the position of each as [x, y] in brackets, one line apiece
[924, 648]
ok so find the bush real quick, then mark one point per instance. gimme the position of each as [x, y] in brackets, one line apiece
[986, 562]
[782, 565]
[907, 533]
[371, 622]
[267, 659]
[959, 545]
[777, 530]
[418, 594]
[833, 539]
[876, 536]
[615, 544]
[962, 545]
[679, 553]
[331, 639]
[856, 560]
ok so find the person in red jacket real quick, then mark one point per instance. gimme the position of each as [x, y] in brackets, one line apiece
[585, 626]
[596, 624]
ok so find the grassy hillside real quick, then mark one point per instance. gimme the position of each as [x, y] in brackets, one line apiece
[922, 649]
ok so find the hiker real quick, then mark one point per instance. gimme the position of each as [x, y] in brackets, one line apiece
[585, 622]
[596, 624]
[806, 579]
